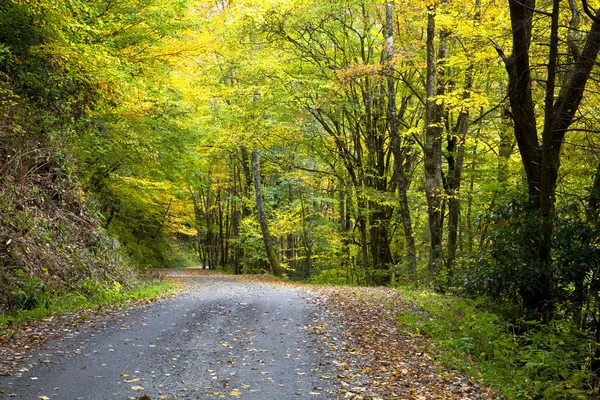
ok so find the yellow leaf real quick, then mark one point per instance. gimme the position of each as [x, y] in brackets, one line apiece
[235, 393]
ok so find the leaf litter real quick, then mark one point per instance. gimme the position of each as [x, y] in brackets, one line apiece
[374, 358]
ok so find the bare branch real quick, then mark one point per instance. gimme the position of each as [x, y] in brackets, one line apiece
[588, 11]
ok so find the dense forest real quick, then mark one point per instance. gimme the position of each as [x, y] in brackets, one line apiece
[449, 145]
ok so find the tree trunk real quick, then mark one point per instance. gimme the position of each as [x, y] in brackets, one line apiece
[399, 156]
[342, 213]
[505, 150]
[456, 147]
[541, 163]
[306, 240]
[361, 223]
[433, 155]
[236, 218]
[520, 96]
[270, 245]
[221, 239]
[163, 219]
[594, 199]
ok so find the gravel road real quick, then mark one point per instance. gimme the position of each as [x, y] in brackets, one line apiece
[224, 336]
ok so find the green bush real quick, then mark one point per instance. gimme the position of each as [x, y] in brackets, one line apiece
[524, 360]
[88, 294]
[27, 294]
[333, 276]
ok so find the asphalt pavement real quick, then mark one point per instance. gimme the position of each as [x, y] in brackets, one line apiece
[224, 337]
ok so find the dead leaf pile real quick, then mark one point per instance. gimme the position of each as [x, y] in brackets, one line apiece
[374, 358]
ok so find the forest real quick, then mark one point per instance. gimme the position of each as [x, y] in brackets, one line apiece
[439, 145]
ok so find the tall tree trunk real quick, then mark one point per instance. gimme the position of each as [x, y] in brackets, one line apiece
[235, 232]
[399, 155]
[520, 96]
[594, 199]
[163, 219]
[361, 223]
[306, 240]
[433, 154]
[270, 245]
[236, 218]
[541, 163]
[505, 150]
[456, 147]
[222, 249]
[342, 211]
[469, 218]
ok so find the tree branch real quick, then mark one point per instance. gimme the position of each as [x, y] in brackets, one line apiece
[588, 11]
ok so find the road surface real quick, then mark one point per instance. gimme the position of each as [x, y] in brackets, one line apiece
[224, 337]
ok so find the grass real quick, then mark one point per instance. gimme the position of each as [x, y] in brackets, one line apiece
[90, 295]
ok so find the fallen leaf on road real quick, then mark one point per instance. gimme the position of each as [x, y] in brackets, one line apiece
[137, 388]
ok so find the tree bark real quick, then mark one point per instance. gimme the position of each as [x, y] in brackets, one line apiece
[594, 199]
[458, 144]
[163, 219]
[236, 218]
[520, 96]
[399, 156]
[270, 245]
[432, 153]
[542, 162]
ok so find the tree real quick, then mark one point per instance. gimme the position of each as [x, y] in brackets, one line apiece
[402, 156]
[567, 72]
[432, 149]
[270, 248]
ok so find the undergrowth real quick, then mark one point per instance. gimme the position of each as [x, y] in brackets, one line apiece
[519, 360]
[89, 295]
[54, 254]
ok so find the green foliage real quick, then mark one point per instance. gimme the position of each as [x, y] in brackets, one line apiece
[134, 120]
[528, 360]
[506, 266]
[26, 293]
[503, 269]
[252, 245]
[37, 301]
[333, 276]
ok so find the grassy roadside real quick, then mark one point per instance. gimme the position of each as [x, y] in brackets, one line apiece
[519, 360]
[89, 296]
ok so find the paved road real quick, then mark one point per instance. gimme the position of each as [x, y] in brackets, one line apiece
[224, 336]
